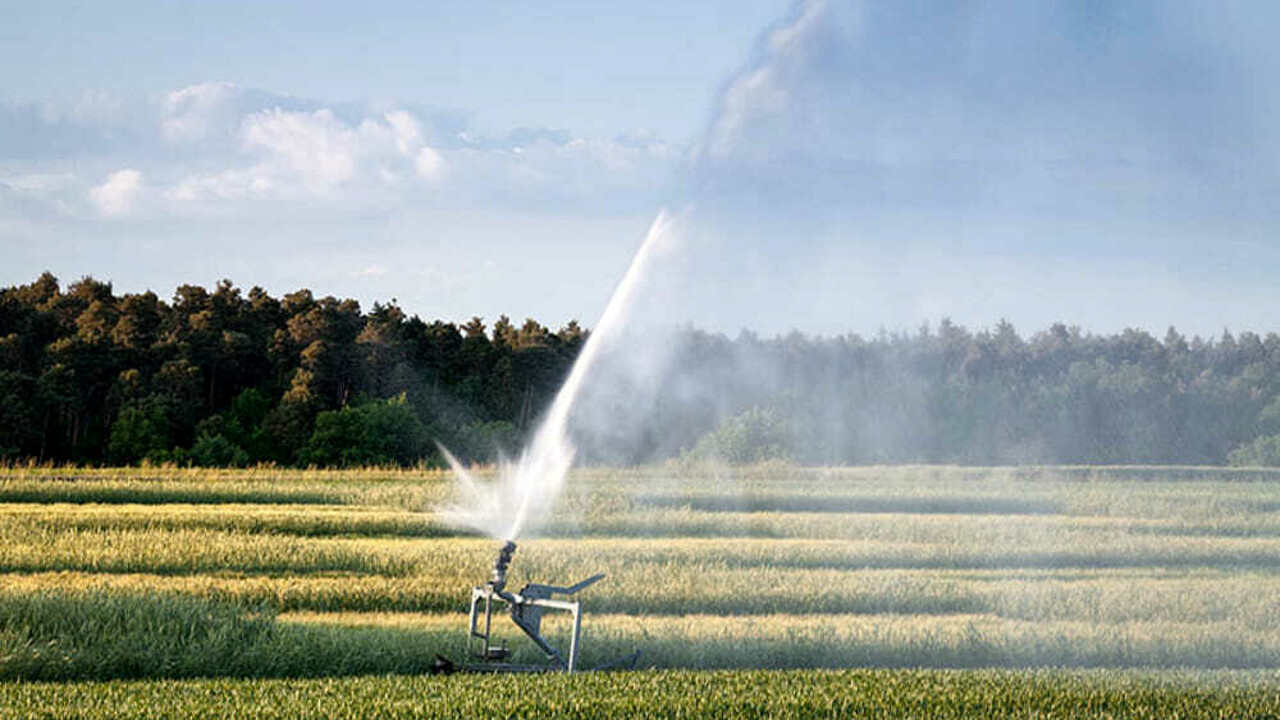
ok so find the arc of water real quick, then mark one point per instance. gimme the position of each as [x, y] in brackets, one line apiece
[537, 478]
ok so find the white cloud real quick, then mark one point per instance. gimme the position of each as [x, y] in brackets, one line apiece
[220, 149]
[117, 196]
[384, 160]
[428, 163]
[316, 156]
[318, 147]
[189, 113]
[408, 131]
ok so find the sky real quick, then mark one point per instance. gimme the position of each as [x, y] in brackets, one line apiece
[841, 166]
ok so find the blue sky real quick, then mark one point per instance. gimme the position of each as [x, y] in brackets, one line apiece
[849, 165]
[597, 68]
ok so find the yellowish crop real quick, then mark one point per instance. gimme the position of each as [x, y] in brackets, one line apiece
[763, 567]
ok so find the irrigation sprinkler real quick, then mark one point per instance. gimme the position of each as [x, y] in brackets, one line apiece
[526, 608]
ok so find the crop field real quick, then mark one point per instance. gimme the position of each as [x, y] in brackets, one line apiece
[1139, 592]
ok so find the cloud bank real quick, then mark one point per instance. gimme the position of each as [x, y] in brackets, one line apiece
[372, 201]
[218, 148]
[1109, 91]
[882, 163]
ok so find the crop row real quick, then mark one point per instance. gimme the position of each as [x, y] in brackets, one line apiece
[1246, 601]
[32, 548]
[835, 641]
[885, 694]
[27, 545]
[1139, 492]
[314, 520]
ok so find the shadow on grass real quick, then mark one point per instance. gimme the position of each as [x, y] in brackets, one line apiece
[109, 636]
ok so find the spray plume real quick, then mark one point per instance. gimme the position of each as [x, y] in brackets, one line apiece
[528, 487]
[503, 508]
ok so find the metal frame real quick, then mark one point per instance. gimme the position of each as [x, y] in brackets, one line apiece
[526, 608]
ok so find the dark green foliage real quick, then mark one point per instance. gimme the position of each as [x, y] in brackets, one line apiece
[88, 376]
[1262, 452]
[381, 432]
[19, 423]
[140, 432]
[219, 377]
[289, 427]
[217, 451]
[245, 424]
[231, 439]
[486, 441]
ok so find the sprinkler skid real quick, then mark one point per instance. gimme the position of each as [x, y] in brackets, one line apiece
[526, 608]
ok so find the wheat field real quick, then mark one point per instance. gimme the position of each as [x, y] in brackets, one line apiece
[280, 573]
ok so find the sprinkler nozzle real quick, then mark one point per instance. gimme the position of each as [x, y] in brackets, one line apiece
[500, 565]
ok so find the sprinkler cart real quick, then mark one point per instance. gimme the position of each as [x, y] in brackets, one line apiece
[526, 608]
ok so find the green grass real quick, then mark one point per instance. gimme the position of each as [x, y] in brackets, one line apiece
[885, 694]
[88, 634]
[793, 641]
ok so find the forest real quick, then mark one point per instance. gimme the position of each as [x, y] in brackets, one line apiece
[222, 377]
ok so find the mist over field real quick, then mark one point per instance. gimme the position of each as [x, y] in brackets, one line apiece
[885, 165]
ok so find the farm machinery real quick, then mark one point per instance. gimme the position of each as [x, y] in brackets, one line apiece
[526, 608]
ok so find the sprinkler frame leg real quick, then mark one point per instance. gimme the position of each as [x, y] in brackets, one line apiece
[573, 642]
[518, 602]
[476, 595]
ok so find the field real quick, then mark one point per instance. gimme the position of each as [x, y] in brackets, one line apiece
[1140, 592]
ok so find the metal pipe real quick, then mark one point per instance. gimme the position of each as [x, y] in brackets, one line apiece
[500, 566]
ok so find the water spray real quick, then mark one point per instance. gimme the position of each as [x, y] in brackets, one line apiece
[529, 488]
[526, 490]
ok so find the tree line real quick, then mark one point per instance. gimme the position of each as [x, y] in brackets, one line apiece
[992, 397]
[224, 377]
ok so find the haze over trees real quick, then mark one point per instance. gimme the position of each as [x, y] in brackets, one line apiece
[223, 377]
